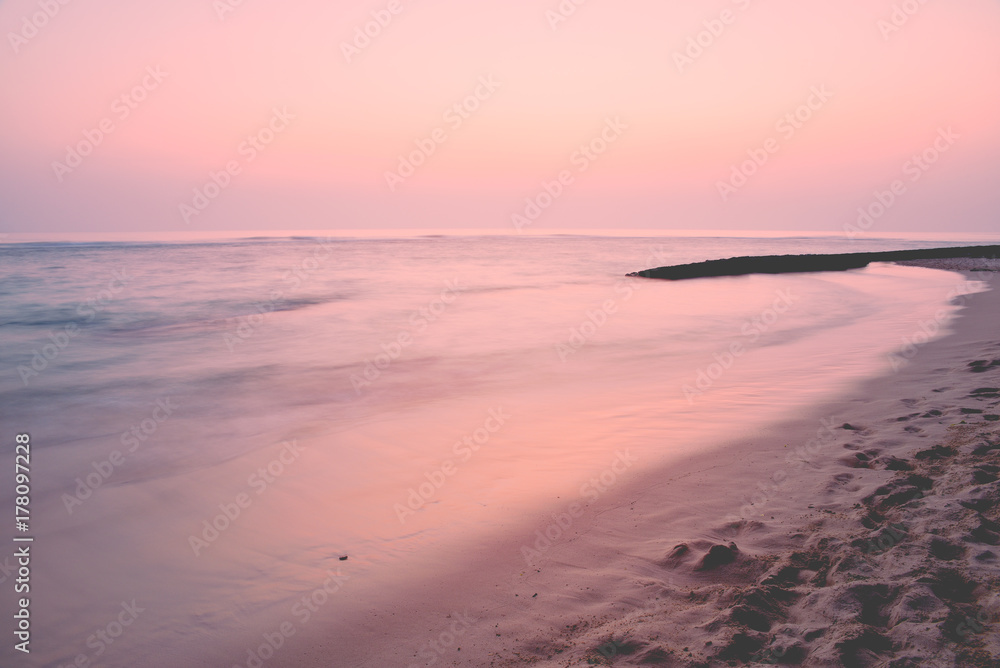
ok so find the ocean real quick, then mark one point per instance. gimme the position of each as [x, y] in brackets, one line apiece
[216, 424]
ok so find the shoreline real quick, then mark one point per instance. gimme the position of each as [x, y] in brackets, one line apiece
[862, 554]
[618, 588]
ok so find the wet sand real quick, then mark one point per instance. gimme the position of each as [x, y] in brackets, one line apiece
[865, 533]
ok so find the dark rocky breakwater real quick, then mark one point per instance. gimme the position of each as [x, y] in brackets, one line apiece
[786, 264]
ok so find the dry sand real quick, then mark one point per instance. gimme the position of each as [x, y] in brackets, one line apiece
[864, 534]
[871, 544]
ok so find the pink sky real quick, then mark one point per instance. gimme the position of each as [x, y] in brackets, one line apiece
[680, 130]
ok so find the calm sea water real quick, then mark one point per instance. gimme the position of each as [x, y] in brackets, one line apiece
[215, 424]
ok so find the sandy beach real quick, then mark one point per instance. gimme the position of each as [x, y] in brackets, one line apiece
[550, 333]
[864, 533]
[524, 480]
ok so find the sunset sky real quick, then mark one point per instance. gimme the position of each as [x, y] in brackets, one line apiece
[116, 115]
